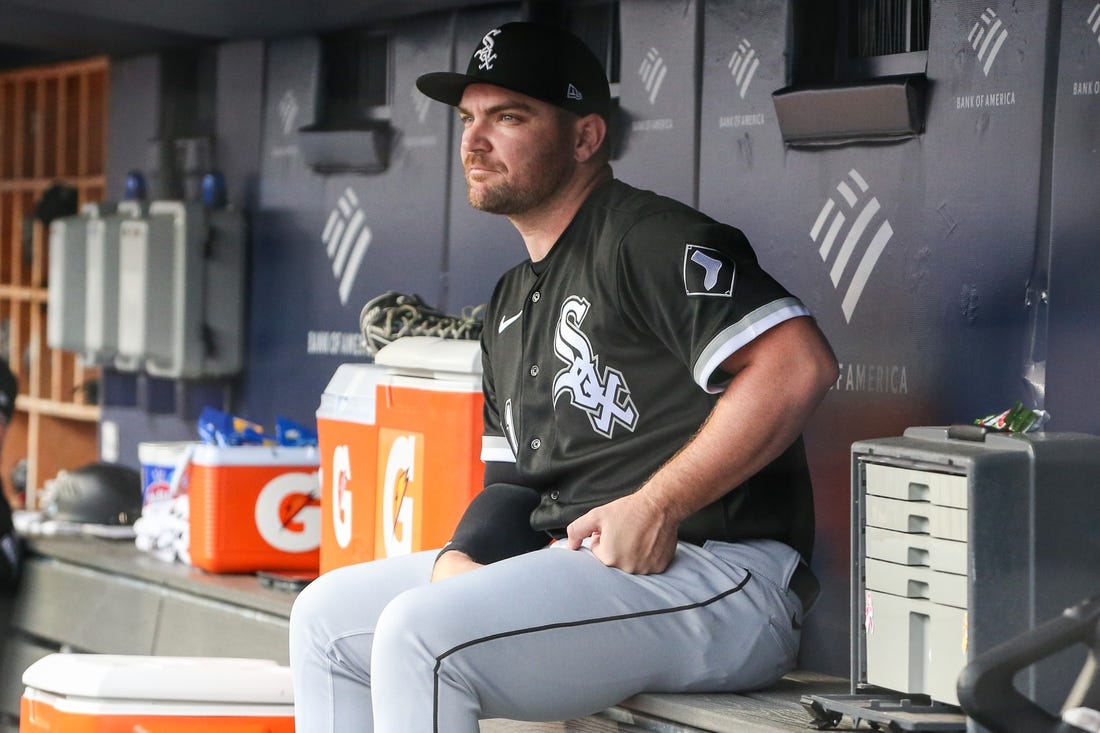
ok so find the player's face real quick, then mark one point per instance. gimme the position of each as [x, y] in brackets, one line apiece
[516, 151]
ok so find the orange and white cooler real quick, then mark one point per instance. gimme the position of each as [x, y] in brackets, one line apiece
[347, 437]
[400, 445]
[104, 693]
[255, 507]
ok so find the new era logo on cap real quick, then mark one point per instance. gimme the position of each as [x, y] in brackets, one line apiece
[573, 93]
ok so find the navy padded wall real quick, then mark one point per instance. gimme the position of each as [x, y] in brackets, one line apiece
[912, 256]
[658, 97]
[1073, 346]
[324, 245]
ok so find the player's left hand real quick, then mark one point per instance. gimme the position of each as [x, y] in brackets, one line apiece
[633, 534]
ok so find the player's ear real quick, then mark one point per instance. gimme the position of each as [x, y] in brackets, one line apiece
[591, 130]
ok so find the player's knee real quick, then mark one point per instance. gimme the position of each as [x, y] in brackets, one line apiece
[401, 637]
[310, 614]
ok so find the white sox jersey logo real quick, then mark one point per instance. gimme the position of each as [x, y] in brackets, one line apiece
[707, 272]
[605, 397]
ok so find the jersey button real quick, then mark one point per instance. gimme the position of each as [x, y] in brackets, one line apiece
[534, 370]
[536, 444]
[535, 296]
[554, 495]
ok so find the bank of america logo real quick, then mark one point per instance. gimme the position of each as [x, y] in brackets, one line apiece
[743, 65]
[987, 36]
[849, 217]
[652, 71]
[1094, 22]
[288, 111]
[346, 238]
[421, 103]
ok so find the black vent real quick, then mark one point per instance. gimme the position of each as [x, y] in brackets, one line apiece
[885, 27]
[355, 79]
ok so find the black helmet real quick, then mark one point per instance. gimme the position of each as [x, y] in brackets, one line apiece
[99, 493]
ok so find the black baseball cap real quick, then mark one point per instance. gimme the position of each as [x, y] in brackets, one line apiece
[542, 61]
[9, 390]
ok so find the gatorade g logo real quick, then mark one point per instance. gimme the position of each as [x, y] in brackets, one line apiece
[400, 496]
[341, 495]
[288, 512]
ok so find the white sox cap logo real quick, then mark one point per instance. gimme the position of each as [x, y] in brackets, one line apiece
[485, 54]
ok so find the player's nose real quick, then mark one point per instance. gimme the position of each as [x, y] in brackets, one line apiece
[474, 138]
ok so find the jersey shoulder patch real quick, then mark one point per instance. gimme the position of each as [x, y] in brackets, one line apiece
[708, 272]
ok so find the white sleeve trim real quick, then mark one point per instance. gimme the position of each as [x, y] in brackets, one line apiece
[730, 339]
[497, 449]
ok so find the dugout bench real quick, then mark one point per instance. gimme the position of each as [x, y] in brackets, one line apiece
[103, 596]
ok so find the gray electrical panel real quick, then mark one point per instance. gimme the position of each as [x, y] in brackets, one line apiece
[102, 282]
[181, 291]
[153, 287]
[962, 539]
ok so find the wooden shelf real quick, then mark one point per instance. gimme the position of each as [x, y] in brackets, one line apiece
[53, 128]
[67, 410]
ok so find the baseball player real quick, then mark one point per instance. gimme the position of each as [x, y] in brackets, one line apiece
[647, 512]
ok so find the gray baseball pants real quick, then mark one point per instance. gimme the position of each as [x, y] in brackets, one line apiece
[550, 635]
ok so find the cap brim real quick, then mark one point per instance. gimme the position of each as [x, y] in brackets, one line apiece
[444, 86]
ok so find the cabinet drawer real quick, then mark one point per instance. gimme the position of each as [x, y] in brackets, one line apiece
[903, 548]
[917, 517]
[948, 556]
[907, 581]
[909, 484]
[914, 646]
[947, 589]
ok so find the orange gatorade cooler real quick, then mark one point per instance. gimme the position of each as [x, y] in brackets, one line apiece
[400, 444]
[255, 508]
[347, 438]
[104, 693]
[429, 441]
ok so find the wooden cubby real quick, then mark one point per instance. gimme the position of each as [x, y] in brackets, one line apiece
[53, 128]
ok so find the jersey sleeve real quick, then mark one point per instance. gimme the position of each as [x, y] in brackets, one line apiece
[697, 285]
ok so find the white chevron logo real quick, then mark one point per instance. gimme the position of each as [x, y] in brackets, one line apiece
[421, 104]
[652, 72]
[288, 111]
[987, 36]
[346, 238]
[743, 65]
[1094, 22]
[862, 208]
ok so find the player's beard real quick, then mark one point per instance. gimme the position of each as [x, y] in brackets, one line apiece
[524, 187]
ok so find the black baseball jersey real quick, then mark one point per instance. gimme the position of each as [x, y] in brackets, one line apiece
[601, 362]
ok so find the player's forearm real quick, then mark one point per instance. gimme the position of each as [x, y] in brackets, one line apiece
[761, 412]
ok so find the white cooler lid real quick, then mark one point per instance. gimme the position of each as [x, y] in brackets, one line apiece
[431, 356]
[350, 394]
[182, 679]
[256, 455]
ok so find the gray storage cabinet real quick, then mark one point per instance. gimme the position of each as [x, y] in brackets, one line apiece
[962, 539]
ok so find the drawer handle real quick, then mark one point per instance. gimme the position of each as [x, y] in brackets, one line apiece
[918, 492]
[917, 589]
[918, 556]
[918, 524]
